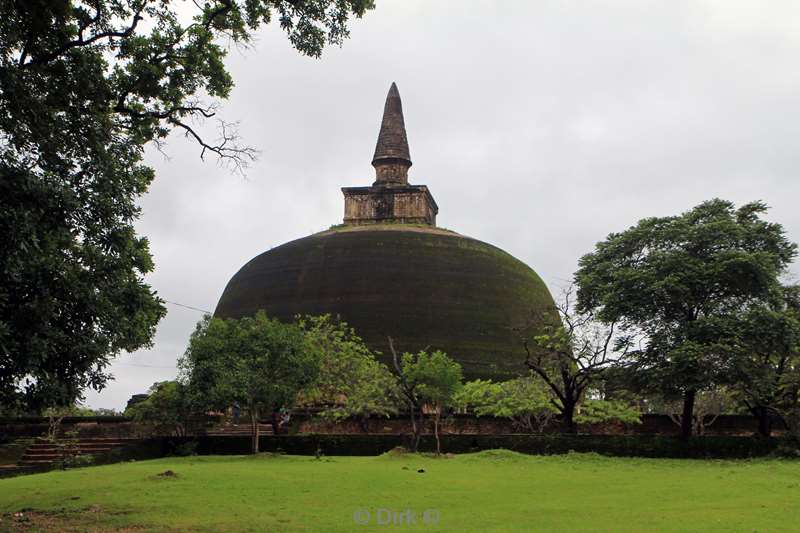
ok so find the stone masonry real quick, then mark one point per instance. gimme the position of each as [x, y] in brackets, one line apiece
[390, 199]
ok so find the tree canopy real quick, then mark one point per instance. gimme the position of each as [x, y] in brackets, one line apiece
[766, 371]
[84, 86]
[167, 407]
[257, 362]
[682, 282]
[431, 379]
[526, 401]
[351, 381]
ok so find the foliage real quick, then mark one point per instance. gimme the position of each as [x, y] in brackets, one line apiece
[55, 415]
[437, 378]
[682, 282]
[573, 355]
[766, 371]
[167, 406]
[186, 449]
[603, 411]
[351, 382]
[430, 379]
[257, 362]
[523, 400]
[84, 86]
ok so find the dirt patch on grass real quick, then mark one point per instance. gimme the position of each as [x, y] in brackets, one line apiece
[88, 519]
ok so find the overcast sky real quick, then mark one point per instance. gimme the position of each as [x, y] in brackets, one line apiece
[539, 127]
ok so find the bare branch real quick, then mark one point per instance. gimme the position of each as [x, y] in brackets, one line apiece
[226, 148]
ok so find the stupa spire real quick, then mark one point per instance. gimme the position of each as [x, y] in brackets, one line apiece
[391, 159]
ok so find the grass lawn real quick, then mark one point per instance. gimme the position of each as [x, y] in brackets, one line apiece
[487, 491]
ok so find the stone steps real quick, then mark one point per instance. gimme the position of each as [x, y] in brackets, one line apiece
[42, 452]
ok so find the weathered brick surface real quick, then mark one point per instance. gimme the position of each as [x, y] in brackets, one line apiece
[410, 204]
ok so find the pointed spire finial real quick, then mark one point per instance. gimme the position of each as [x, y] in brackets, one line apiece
[392, 159]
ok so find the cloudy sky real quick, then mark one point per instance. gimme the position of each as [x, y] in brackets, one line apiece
[540, 127]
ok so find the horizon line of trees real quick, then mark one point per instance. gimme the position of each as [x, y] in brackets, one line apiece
[685, 315]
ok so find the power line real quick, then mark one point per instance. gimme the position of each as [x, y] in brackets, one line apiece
[189, 307]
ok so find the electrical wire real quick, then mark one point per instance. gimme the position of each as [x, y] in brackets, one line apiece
[189, 307]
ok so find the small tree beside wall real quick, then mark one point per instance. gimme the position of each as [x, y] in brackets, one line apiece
[257, 362]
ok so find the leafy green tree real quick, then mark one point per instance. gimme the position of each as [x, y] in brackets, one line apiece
[257, 362]
[432, 380]
[351, 382]
[167, 407]
[525, 401]
[84, 86]
[683, 282]
[438, 380]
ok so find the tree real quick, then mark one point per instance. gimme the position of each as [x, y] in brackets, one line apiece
[574, 355]
[84, 86]
[708, 406]
[167, 406]
[766, 368]
[427, 379]
[526, 401]
[257, 362]
[351, 382]
[683, 282]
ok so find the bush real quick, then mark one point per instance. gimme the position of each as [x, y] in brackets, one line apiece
[185, 449]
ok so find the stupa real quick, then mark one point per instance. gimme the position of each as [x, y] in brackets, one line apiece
[388, 271]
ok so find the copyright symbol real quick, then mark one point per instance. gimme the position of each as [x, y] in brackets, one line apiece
[431, 516]
[361, 517]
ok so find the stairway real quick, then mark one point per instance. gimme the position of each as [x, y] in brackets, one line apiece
[240, 430]
[44, 452]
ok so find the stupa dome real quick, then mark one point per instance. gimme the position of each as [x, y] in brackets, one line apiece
[390, 272]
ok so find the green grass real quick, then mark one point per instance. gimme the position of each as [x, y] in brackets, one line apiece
[488, 491]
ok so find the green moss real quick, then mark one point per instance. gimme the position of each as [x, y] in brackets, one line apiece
[425, 287]
[395, 226]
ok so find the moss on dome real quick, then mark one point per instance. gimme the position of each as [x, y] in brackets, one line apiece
[425, 287]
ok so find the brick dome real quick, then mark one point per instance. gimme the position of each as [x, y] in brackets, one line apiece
[425, 287]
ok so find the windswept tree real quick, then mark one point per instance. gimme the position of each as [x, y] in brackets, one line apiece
[85, 85]
[683, 282]
[257, 362]
[573, 356]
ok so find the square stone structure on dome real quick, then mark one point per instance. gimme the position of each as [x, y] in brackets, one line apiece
[403, 204]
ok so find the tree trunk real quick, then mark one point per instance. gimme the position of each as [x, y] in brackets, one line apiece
[254, 429]
[363, 423]
[688, 413]
[762, 414]
[436, 433]
[415, 429]
[275, 421]
[568, 417]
